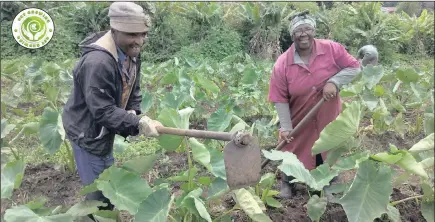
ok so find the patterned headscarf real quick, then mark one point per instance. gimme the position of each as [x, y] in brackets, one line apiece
[300, 19]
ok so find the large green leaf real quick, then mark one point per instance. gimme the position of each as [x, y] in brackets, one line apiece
[219, 120]
[323, 175]
[335, 154]
[250, 206]
[266, 180]
[351, 161]
[11, 177]
[85, 207]
[339, 130]
[218, 187]
[371, 75]
[200, 153]
[423, 145]
[140, 164]
[407, 75]
[170, 78]
[427, 210]
[23, 214]
[427, 163]
[155, 208]
[206, 84]
[172, 100]
[30, 128]
[270, 201]
[409, 163]
[429, 123]
[6, 128]
[428, 191]
[399, 125]
[316, 207]
[352, 90]
[369, 194]
[125, 189]
[18, 89]
[402, 158]
[370, 100]
[393, 214]
[199, 204]
[389, 158]
[51, 132]
[217, 163]
[292, 166]
[171, 118]
[147, 101]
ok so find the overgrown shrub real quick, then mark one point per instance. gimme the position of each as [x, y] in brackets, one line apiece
[169, 33]
[219, 42]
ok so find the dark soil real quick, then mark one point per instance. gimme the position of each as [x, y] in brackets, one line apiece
[294, 210]
[60, 188]
[409, 210]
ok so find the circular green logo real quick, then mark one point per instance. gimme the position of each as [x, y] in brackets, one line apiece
[33, 28]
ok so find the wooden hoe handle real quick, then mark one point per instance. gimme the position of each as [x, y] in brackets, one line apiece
[298, 127]
[224, 136]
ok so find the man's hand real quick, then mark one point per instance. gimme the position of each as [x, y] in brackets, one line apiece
[329, 91]
[284, 135]
[147, 127]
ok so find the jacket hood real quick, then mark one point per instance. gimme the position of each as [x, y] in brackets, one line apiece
[100, 41]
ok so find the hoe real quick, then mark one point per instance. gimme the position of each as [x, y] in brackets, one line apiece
[242, 154]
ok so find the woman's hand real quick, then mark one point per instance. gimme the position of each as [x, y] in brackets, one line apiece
[284, 135]
[329, 91]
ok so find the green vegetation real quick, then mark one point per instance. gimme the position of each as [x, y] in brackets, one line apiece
[207, 65]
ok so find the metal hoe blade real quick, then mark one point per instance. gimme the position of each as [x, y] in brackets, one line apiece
[242, 163]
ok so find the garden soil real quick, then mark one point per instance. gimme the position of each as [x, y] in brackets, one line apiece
[62, 188]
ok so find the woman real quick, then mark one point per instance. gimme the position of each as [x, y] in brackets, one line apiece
[309, 70]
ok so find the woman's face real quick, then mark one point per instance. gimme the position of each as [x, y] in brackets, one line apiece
[303, 36]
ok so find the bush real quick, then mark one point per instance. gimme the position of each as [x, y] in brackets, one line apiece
[219, 42]
[168, 35]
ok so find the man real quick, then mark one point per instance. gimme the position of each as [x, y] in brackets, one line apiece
[106, 96]
[311, 69]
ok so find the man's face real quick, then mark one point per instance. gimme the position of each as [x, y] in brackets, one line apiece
[303, 36]
[130, 43]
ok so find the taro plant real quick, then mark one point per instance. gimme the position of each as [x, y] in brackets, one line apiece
[367, 197]
[389, 94]
[36, 211]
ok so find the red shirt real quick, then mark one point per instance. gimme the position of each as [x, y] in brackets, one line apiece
[301, 86]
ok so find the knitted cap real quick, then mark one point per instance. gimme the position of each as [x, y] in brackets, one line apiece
[128, 17]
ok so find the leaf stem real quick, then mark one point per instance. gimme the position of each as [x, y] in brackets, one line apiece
[17, 136]
[224, 214]
[17, 157]
[71, 165]
[403, 200]
[189, 161]
[173, 219]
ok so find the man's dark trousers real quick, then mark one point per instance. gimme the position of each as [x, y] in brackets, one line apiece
[89, 167]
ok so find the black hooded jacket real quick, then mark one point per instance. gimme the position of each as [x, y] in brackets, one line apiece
[95, 101]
